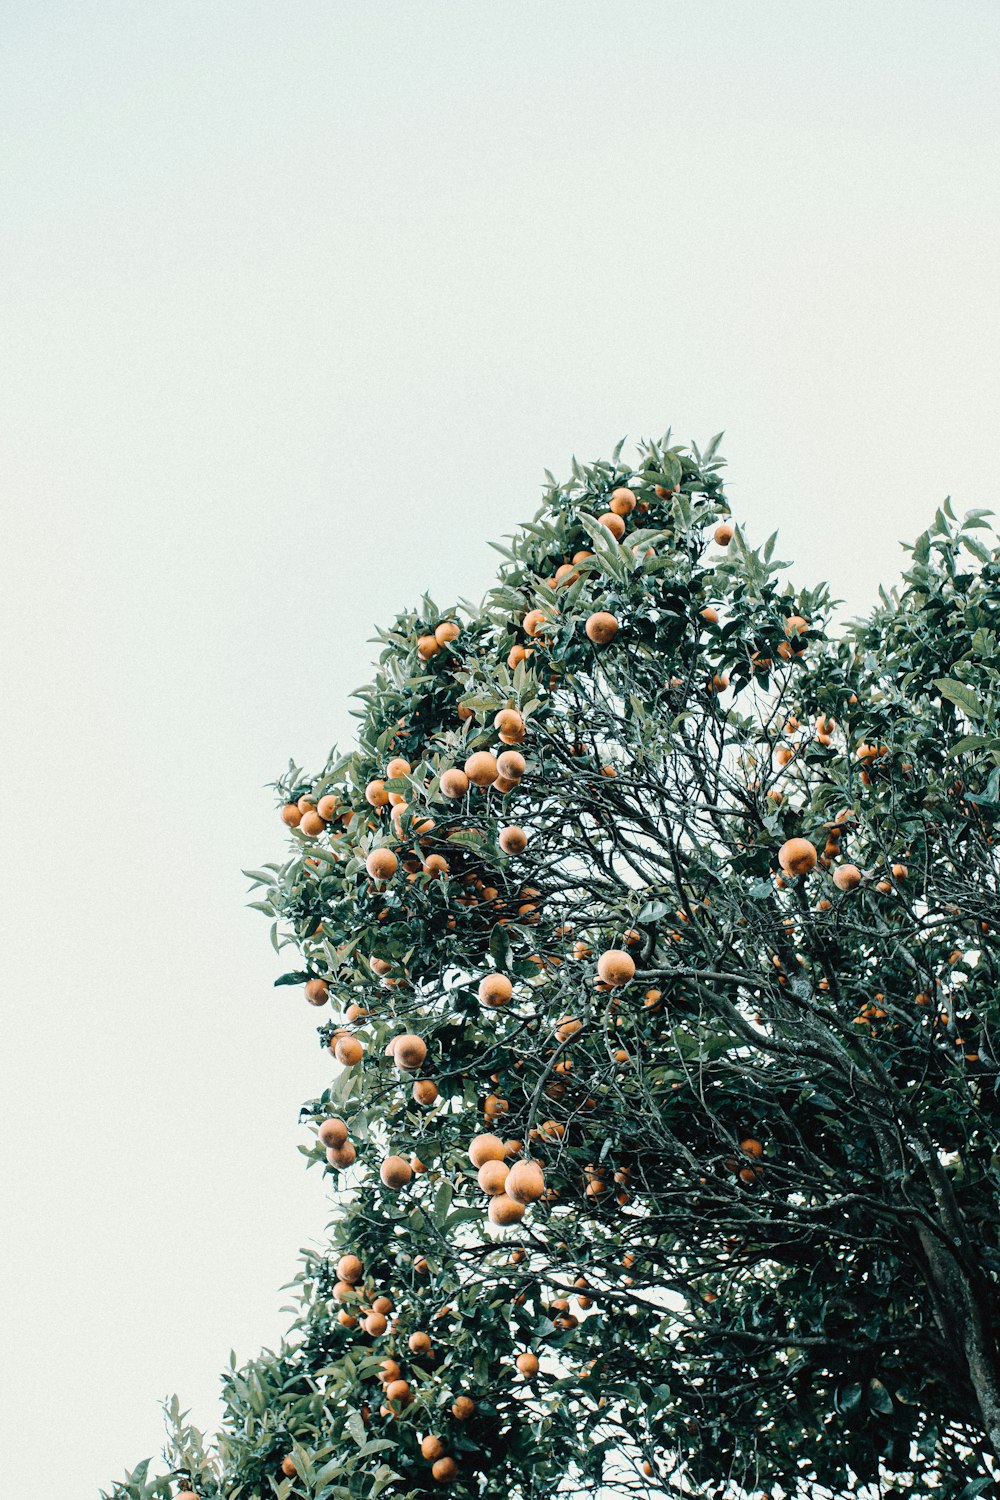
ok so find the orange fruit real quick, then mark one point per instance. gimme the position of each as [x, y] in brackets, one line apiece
[534, 621]
[710, 615]
[312, 824]
[797, 857]
[454, 783]
[481, 768]
[290, 815]
[327, 807]
[525, 1182]
[601, 628]
[348, 1051]
[376, 794]
[462, 1408]
[846, 877]
[419, 1343]
[427, 646]
[615, 967]
[446, 632]
[341, 1157]
[495, 989]
[513, 840]
[484, 1148]
[723, 534]
[613, 523]
[511, 764]
[381, 864]
[509, 725]
[288, 1467]
[492, 1177]
[375, 1323]
[350, 1269]
[333, 1132]
[622, 502]
[395, 1171]
[425, 1091]
[397, 767]
[444, 1470]
[431, 1447]
[409, 1051]
[527, 1363]
[317, 991]
[505, 1211]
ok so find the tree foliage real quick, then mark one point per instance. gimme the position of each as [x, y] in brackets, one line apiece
[762, 1254]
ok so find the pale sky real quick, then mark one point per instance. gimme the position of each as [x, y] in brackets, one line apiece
[299, 300]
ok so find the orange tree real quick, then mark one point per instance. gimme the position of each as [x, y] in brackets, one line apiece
[652, 928]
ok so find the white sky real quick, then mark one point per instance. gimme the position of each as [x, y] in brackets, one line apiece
[298, 302]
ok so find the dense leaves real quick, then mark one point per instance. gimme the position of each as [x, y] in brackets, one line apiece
[762, 1253]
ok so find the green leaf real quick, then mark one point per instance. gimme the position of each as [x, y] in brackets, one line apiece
[963, 697]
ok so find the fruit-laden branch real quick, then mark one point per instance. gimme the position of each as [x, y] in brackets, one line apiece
[658, 923]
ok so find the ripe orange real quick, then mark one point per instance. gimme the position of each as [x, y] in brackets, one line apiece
[348, 1051]
[622, 502]
[409, 1051]
[376, 794]
[513, 840]
[395, 1171]
[795, 625]
[534, 621]
[431, 1447]
[495, 989]
[492, 1177]
[350, 1269]
[419, 1343]
[398, 1391]
[333, 1132]
[797, 857]
[509, 725]
[462, 1408]
[481, 768]
[381, 864]
[615, 967]
[846, 877]
[427, 646]
[710, 615]
[446, 632]
[425, 1091]
[454, 783]
[342, 1157]
[601, 628]
[723, 534]
[525, 1182]
[511, 764]
[327, 807]
[527, 1363]
[484, 1148]
[505, 1211]
[375, 1323]
[290, 815]
[317, 991]
[444, 1470]
[613, 523]
[288, 1467]
[397, 767]
[312, 824]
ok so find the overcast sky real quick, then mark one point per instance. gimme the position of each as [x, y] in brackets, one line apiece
[298, 302]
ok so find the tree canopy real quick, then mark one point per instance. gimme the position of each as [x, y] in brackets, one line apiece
[651, 925]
